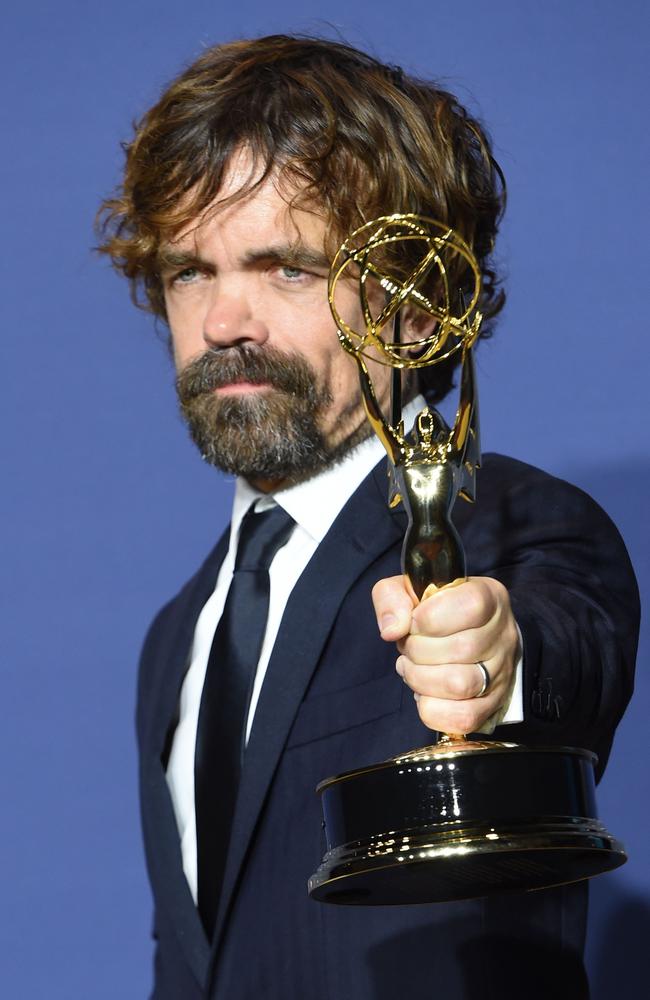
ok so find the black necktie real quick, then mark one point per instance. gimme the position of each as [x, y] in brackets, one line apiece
[226, 695]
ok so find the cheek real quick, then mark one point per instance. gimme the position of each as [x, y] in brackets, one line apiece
[310, 332]
[184, 348]
[186, 310]
[380, 375]
[180, 350]
[186, 331]
[343, 371]
[344, 387]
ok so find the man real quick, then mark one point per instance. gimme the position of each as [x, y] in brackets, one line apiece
[239, 185]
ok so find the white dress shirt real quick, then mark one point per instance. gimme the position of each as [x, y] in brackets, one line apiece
[313, 505]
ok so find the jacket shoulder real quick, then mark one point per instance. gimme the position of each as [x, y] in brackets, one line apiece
[507, 482]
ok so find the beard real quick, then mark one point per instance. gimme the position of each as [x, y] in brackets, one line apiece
[272, 435]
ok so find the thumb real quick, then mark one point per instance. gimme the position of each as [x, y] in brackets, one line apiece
[393, 608]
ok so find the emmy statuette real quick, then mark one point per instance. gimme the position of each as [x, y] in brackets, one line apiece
[461, 818]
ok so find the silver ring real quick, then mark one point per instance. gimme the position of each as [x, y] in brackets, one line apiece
[486, 679]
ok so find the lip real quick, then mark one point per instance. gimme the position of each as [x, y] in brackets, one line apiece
[241, 388]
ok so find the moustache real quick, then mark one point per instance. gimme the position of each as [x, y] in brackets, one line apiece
[288, 373]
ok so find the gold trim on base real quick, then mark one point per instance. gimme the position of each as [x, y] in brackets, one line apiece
[452, 862]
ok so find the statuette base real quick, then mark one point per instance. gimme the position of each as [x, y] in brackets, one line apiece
[413, 829]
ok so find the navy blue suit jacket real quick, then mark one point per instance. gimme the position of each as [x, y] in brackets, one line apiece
[331, 701]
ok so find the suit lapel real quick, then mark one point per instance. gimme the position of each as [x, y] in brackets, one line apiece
[174, 903]
[188, 606]
[159, 823]
[358, 536]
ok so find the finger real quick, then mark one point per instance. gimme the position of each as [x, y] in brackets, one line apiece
[455, 609]
[455, 716]
[393, 608]
[451, 681]
[461, 647]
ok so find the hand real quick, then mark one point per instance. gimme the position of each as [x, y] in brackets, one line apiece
[442, 639]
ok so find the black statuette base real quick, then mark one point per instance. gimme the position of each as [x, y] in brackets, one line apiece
[448, 826]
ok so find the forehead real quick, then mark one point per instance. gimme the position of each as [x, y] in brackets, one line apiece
[257, 210]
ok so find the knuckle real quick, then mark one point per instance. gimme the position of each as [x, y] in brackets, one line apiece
[459, 684]
[500, 598]
[487, 596]
[499, 591]
[474, 599]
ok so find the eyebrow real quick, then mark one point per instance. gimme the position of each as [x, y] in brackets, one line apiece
[290, 254]
[167, 258]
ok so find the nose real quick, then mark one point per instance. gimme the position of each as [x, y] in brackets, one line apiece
[229, 322]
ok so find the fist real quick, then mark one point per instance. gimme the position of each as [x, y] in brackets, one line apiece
[441, 641]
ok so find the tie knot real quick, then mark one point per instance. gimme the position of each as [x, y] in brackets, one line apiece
[260, 537]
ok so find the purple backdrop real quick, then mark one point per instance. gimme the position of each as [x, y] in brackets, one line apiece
[106, 506]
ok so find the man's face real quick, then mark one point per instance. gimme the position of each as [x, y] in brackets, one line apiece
[263, 382]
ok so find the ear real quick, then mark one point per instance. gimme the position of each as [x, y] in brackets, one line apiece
[416, 323]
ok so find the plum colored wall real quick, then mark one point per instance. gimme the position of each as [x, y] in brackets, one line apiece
[106, 507]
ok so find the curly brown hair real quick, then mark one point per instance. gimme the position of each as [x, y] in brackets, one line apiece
[354, 136]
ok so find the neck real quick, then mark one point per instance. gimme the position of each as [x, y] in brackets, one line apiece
[268, 485]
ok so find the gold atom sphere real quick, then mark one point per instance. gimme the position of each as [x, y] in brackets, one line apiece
[436, 257]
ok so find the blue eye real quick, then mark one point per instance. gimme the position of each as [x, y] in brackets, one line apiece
[187, 275]
[291, 272]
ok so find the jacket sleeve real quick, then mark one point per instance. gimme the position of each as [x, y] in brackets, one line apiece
[574, 596]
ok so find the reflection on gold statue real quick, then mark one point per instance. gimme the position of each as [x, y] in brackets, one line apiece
[411, 258]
